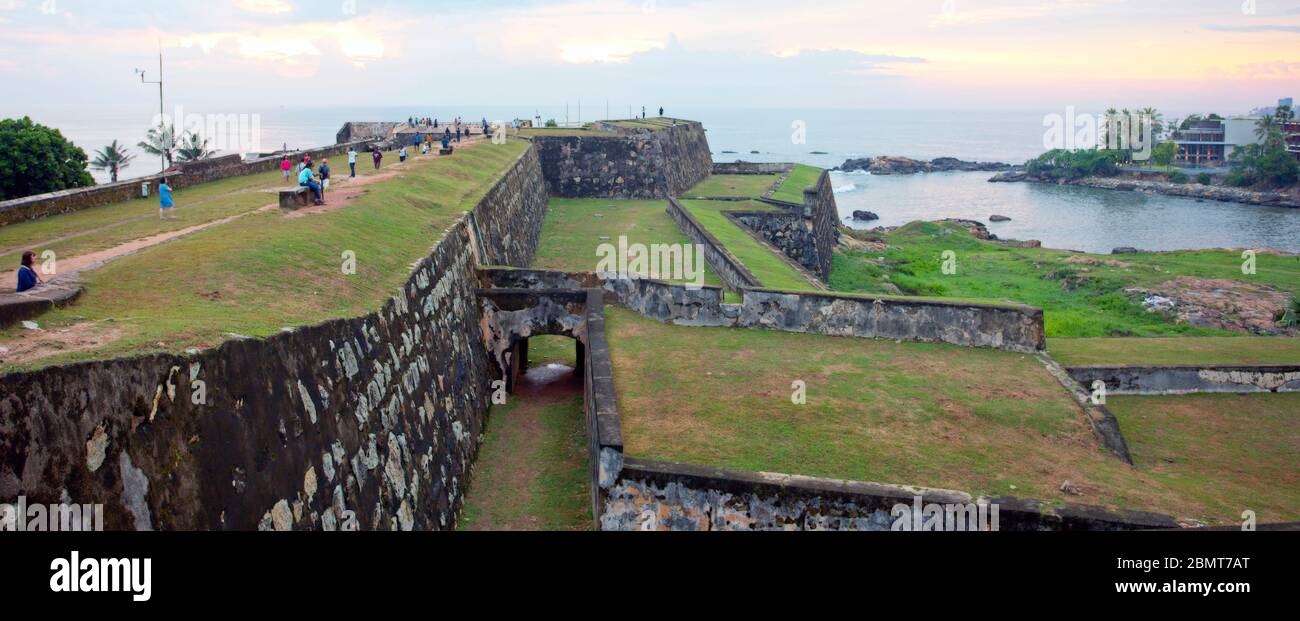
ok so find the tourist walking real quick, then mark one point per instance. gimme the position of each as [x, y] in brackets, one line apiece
[401, 154]
[457, 134]
[285, 167]
[377, 155]
[27, 276]
[165, 201]
[352, 161]
[307, 179]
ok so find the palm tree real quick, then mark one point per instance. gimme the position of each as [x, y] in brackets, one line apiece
[112, 158]
[1268, 129]
[192, 148]
[160, 141]
[1156, 120]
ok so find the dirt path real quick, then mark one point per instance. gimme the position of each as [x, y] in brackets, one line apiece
[343, 192]
[505, 491]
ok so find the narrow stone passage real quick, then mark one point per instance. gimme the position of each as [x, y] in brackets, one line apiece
[531, 471]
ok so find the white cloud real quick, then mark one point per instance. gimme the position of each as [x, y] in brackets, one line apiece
[264, 7]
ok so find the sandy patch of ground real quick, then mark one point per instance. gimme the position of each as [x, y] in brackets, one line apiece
[1219, 303]
[32, 345]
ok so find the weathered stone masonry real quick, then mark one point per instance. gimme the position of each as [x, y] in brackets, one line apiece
[369, 423]
[653, 164]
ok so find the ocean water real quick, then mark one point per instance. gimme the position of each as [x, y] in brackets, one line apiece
[1061, 217]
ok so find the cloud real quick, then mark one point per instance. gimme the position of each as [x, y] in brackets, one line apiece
[11, 5]
[1254, 28]
[264, 7]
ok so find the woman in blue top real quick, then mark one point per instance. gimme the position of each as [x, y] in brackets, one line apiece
[27, 276]
[165, 201]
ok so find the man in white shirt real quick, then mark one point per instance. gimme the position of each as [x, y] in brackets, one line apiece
[352, 160]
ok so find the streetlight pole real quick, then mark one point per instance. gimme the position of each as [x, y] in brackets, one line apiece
[162, 156]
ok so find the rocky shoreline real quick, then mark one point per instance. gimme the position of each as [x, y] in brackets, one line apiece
[896, 165]
[1184, 190]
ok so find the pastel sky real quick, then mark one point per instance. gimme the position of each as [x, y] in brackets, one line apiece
[1228, 55]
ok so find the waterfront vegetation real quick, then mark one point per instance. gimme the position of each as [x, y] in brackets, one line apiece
[1081, 295]
[264, 271]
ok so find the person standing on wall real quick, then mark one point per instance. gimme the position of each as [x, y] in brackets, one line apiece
[661, 111]
[27, 276]
[352, 161]
[165, 201]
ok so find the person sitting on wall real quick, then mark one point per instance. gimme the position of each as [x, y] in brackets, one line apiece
[27, 276]
[307, 179]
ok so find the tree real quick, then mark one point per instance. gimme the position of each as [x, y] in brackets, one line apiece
[35, 159]
[1268, 130]
[160, 141]
[1284, 114]
[192, 148]
[112, 158]
[1153, 116]
[1267, 165]
[1163, 154]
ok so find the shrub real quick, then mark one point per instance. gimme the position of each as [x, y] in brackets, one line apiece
[35, 159]
[1062, 164]
[551, 123]
[1205, 179]
[1178, 176]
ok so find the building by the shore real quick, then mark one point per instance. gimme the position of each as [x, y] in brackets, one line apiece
[1210, 142]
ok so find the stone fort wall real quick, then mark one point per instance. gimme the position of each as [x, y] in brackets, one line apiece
[367, 423]
[645, 164]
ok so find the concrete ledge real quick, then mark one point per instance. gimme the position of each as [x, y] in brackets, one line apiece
[733, 273]
[657, 495]
[1188, 379]
[15, 307]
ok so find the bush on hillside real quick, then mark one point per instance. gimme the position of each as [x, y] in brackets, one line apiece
[35, 159]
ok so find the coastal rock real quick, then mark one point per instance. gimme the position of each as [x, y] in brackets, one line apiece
[865, 215]
[998, 218]
[897, 165]
[1195, 191]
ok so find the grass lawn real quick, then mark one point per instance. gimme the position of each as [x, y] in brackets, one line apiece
[564, 131]
[792, 188]
[654, 122]
[716, 186]
[1209, 350]
[770, 269]
[977, 420]
[262, 272]
[1081, 295]
[1228, 452]
[106, 226]
[531, 472]
[574, 228]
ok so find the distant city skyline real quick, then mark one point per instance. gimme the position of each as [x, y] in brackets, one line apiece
[1186, 55]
